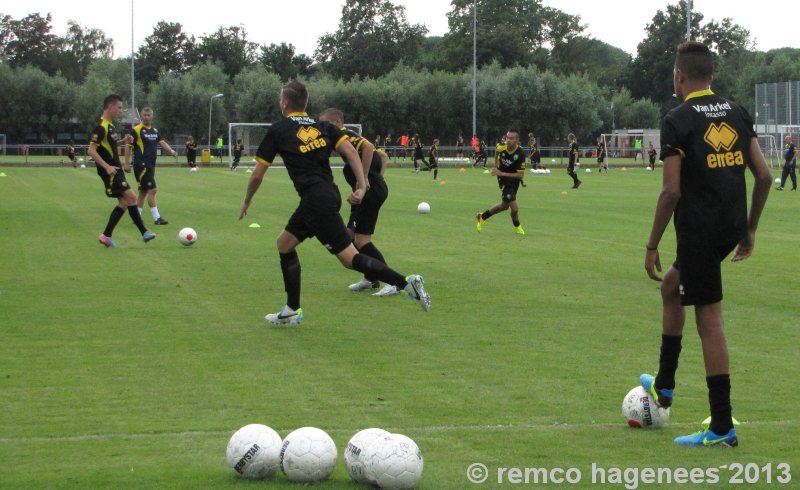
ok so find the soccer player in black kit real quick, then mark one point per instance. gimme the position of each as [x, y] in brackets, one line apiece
[364, 215]
[418, 153]
[510, 170]
[790, 157]
[573, 159]
[305, 146]
[103, 150]
[191, 152]
[238, 148]
[707, 142]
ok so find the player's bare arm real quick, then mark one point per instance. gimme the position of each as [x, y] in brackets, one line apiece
[127, 165]
[252, 187]
[763, 183]
[92, 152]
[349, 153]
[168, 148]
[665, 207]
[367, 150]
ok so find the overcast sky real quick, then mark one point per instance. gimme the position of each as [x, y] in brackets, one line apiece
[620, 23]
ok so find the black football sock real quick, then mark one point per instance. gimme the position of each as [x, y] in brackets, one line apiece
[290, 267]
[435, 173]
[486, 214]
[375, 268]
[116, 214]
[136, 216]
[668, 361]
[719, 398]
[371, 250]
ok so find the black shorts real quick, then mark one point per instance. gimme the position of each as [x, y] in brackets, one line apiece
[535, 157]
[700, 271]
[571, 168]
[145, 175]
[510, 191]
[318, 215]
[115, 185]
[364, 216]
[601, 159]
[236, 158]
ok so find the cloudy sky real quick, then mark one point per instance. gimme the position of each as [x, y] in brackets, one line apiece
[617, 22]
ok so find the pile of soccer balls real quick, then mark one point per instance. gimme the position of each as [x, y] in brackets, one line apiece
[540, 171]
[373, 456]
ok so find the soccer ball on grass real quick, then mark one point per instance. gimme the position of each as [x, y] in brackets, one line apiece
[254, 452]
[394, 462]
[424, 208]
[640, 410]
[187, 236]
[308, 455]
[355, 454]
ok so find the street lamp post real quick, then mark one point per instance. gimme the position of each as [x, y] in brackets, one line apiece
[210, 105]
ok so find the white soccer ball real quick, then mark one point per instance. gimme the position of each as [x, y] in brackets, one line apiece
[424, 208]
[394, 462]
[778, 181]
[80, 160]
[254, 452]
[83, 165]
[641, 411]
[355, 454]
[193, 169]
[187, 236]
[648, 169]
[308, 455]
[552, 160]
[588, 170]
[547, 170]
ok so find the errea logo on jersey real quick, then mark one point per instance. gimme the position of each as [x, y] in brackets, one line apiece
[722, 137]
[310, 136]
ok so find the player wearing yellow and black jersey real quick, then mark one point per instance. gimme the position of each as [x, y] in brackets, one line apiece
[238, 148]
[510, 170]
[144, 145]
[364, 215]
[480, 154]
[573, 160]
[651, 155]
[103, 150]
[790, 163]
[707, 143]
[191, 152]
[433, 159]
[601, 155]
[418, 146]
[460, 146]
[533, 152]
[305, 145]
[69, 150]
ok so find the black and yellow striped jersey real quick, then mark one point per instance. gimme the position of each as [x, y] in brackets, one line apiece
[105, 138]
[145, 144]
[573, 153]
[509, 161]
[374, 167]
[433, 153]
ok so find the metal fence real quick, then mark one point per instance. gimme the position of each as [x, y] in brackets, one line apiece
[778, 109]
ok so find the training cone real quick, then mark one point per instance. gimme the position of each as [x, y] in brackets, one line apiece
[564, 193]
[2, 174]
[255, 225]
[249, 171]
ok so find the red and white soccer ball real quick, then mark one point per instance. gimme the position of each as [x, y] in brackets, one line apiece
[187, 236]
[254, 452]
[308, 455]
[640, 410]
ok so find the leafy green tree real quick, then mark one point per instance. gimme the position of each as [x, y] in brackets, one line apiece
[373, 36]
[229, 47]
[79, 48]
[512, 32]
[34, 103]
[167, 48]
[254, 96]
[594, 58]
[28, 42]
[282, 60]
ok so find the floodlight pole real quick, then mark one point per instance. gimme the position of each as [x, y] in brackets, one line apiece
[133, 73]
[474, 67]
[689, 20]
[210, 105]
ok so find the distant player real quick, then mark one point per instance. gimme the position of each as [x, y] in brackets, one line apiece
[145, 142]
[601, 155]
[707, 142]
[305, 146]
[574, 158]
[238, 148]
[103, 150]
[70, 152]
[191, 152]
[220, 147]
[418, 146]
[460, 147]
[651, 155]
[480, 155]
[510, 170]
[533, 152]
[790, 163]
[364, 215]
[433, 159]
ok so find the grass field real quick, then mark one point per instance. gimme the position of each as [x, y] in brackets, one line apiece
[131, 368]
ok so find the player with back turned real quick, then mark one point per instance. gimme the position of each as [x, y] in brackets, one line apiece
[103, 150]
[707, 142]
[364, 215]
[510, 170]
[305, 145]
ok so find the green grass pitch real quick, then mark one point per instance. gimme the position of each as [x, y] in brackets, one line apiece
[131, 368]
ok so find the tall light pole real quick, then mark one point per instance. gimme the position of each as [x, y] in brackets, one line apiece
[133, 74]
[474, 67]
[210, 105]
[689, 20]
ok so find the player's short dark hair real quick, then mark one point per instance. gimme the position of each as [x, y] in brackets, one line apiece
[110, 99]
[332, 113]
[694, 60]
[513, 130]
[295, 94]
[146, 109]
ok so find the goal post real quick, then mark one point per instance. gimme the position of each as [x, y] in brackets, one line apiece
[251, 135]
[629, 147]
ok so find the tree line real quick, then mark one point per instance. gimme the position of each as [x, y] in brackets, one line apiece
[538, 72]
